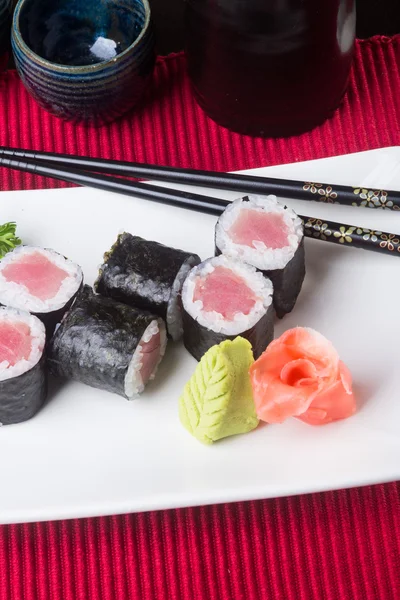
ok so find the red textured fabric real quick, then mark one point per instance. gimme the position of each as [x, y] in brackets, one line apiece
[341, 545]
[172, 129]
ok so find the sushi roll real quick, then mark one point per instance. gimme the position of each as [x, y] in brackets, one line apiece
[107, 345]
[39, 281]
[147, 275]
[23, 382]
[268, 236]
[222, 299]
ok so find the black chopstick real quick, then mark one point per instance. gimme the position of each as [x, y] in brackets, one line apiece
[247, 184]
[213, 206]
[329, 231]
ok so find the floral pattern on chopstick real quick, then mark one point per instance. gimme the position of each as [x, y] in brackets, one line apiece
[327, 193]
[390, 241]
[343, 234]
[369, 234]
[317, 229]
[356, 196]
[373, 199]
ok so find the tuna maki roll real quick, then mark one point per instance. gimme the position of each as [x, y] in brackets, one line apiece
[39, 281]
[107, 345]
[270, 237]
[23, 383]
[147, 275]
[222, 299]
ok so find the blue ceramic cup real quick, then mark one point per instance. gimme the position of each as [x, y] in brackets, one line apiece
[84, 60]
[5, 28]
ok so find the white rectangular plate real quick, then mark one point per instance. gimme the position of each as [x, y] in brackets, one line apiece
[92, 453]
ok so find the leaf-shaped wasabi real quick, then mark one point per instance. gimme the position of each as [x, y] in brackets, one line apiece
[218, 402]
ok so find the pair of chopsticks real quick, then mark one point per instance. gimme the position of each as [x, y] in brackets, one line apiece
[95, 172]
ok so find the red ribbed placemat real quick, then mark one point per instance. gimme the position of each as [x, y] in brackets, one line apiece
[335, 546]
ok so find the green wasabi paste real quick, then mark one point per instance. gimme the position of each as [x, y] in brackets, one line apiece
[217, 402]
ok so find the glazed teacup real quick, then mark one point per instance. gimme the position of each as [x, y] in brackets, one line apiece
[84, 60]
[5, 28]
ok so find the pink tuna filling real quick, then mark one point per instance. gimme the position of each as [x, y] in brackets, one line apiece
[151, 356]
[224, 292]
[254, 226]
[15, 342]
[37, 273]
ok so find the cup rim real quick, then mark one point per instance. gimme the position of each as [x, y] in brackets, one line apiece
[76, 69]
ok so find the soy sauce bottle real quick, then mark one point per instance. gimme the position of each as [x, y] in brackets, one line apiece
[269, 67]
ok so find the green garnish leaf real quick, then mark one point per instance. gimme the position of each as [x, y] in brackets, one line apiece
[8, 239]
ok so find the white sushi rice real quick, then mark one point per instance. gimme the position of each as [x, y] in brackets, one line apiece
[133, 381]
[174, 310]
[38, 339]
[261, 257]
[18, 295]
[260, 285]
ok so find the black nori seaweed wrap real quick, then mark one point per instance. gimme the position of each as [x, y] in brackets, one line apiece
[288, 282]
[21, 397]
[96, 341]
[142, 273]
[198, 339]
[51, 319]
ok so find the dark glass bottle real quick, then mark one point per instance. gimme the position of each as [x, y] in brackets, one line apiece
[269, 67]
